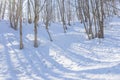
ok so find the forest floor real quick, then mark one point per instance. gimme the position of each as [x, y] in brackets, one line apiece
[71, 56]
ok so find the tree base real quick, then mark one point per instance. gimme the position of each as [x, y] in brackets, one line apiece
[21, 46]
[35, 45]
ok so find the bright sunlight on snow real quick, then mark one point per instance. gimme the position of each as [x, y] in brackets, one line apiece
[69, 57]
[59, 39]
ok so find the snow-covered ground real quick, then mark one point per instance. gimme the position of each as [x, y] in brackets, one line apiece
[71, 56]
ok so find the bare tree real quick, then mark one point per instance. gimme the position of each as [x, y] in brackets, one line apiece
[48, 16]
[29, 11]
[13, 13]
[1, 4]
[20, 17]
[4, 9]
[61, 4]
[69, 12]
[36, 19]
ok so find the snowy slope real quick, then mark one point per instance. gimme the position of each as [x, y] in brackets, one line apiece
[69, 57]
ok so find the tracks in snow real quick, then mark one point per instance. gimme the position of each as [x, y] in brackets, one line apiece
[64, 59]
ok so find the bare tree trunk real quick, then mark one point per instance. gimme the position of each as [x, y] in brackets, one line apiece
[35, 32]
[61, 4]
[69, 12]
[29, 13]
[102, 20]
[20, 12]
[4, 9]
[1, 3]
[36, 18]
[48, 16]
[13, 13]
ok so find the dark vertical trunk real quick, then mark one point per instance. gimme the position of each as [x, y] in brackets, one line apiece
[35, 32]
[36, 18]
[102, 20]
[21, 41]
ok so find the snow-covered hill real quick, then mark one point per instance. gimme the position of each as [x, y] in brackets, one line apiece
[71, 56]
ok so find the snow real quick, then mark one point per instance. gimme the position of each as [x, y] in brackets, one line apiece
[71, 56]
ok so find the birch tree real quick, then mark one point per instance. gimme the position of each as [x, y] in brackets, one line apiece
[20, 19]
[36, 19]
[48, 16]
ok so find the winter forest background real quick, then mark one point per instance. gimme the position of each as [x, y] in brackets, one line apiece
[59, 39]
